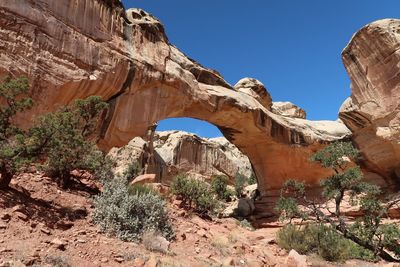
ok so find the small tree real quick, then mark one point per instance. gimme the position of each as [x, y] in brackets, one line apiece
[13, 152]
[65, 139]
[252, 179]
[195, 194]
[240, 182]
[219, 186]
[369, 231]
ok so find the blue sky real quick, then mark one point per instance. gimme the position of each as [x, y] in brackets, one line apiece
[292, 46]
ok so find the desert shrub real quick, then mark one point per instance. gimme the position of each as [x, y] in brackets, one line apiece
[140, 189]
[101, 166]
[219, 186]
[252, 179]
[240, 182]
[195, 194]
[63, 139]
[222, 244]
[321, 240]
[57, 261]
[132, 171]
[289, 237]
[369, 231]
[13, 148]
[129, 216]
[66, 139]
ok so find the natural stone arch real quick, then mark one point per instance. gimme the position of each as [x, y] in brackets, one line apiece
[240, 118]
[130, 63]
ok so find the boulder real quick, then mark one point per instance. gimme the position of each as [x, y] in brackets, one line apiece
[294, 259]
[155, 242]
[144, 179]
[242, 208]
[128, 154]
[250, 191]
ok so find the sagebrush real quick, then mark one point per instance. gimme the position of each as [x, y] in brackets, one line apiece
[129, 215]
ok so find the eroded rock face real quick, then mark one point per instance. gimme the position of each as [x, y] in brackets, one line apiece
[288, 109]
[256, 89]
[75, 48]
[372, 112]
[178, 152]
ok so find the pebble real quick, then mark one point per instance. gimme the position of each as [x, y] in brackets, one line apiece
[58, 243]
[183, 236]
[3, 250]
[21, 216]
[45, 230]
[17, 208]
[202, 233]
[81, 232]
[139, 262]
[5, 216]
[119, 259]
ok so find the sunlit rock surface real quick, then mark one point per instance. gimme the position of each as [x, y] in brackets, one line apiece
[178, 152]
[372, 60]
[75, 48]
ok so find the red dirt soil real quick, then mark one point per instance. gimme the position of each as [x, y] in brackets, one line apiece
[44, 225]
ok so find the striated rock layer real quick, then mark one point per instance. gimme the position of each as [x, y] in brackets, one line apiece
[178, 152]
[288, 109]
[75, 48]
[372, 112]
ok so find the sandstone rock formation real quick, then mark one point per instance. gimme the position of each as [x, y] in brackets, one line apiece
[255, 89]
[75, 48]
[177, 152]
[372, 112]
[288, 109]
[132, 152]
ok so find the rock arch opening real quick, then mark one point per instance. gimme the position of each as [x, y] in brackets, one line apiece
[179, 145]
[200, 128]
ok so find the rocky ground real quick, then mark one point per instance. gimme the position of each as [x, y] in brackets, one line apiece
[43, 225]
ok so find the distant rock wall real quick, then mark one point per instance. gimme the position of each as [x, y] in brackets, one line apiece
[177, 152]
